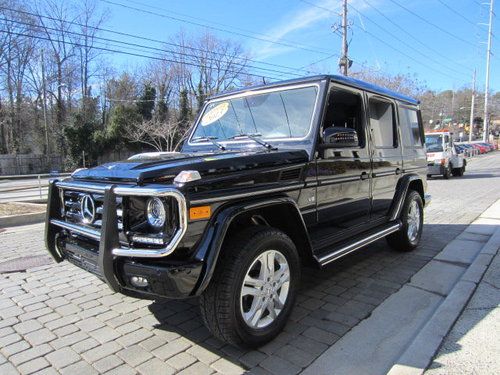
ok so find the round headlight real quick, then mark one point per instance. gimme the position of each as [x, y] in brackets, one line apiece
[156, 213]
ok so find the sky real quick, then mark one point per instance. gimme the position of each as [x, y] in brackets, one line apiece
[438, 41]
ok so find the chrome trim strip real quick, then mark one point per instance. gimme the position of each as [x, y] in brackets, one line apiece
[176, 238]
[358, 244]
[87, 232]
[245, 195]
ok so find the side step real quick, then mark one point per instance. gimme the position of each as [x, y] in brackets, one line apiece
[366, 238]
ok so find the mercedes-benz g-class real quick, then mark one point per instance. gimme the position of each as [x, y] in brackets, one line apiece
[303, 170]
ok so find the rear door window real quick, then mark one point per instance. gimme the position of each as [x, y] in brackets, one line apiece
[410, 128]
[382, 123]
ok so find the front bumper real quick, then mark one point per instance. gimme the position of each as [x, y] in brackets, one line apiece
[100, 252]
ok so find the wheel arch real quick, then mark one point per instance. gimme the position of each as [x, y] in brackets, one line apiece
[269, 212]
[406, 183]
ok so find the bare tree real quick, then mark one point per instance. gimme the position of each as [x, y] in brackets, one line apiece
[160, 135]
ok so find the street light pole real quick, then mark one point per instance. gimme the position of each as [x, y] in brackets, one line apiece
[471, 123]
[486, 120]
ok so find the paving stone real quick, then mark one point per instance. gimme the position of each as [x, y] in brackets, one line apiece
[226, 367]
[152, 343]
[8, 369]
[134, 337]
[85, 345]
[252, 358]
[30, 354]
[198, 368]
[172, 348]
[39, 337]
[155, 366]
[62, 357]
[101, 351]
[15, 348]
[122, 370]
[27, 326]
[79, 368]
[279, 366]
[134, 355]
[105, 334]
[181, 361]
[107, 363]
[69, 340]
[33, 366]
[202, 354]
[321, 335]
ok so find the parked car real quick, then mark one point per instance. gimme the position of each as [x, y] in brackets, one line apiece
[442, 156]
[269, 176]
[461, 149]
[472, 150]
[481, 149]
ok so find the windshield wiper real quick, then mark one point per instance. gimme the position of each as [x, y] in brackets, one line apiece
[210, 139]
[254, 138]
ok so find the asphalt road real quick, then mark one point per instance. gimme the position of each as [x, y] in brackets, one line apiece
[60, 319]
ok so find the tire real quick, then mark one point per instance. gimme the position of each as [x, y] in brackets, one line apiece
[446, 173]
[407, 239]
[227, 312]
[457, 172]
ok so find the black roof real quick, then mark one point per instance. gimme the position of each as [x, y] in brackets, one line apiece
[348, 81]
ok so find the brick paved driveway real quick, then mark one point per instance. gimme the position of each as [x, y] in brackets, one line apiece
[59, 319]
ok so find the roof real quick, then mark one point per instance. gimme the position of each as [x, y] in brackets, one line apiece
[348, 81]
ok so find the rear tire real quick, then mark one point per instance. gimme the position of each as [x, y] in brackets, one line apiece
[412, 218]
[239, 306]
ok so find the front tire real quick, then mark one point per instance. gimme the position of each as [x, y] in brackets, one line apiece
[253, 289]
[412, 218]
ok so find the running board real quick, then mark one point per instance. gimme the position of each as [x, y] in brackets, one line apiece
[367, 239]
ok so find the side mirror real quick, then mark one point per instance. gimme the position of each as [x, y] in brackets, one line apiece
[338, 137]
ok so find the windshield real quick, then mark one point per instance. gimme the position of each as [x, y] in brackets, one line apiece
[281, 114]
[434, 143]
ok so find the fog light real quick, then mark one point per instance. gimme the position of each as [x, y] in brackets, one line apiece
[139, 281]
[148, 240]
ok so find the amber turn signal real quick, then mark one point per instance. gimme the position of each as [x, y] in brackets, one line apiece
[197, 213]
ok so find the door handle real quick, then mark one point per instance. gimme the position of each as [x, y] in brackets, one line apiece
[364, 176]
[398, 171]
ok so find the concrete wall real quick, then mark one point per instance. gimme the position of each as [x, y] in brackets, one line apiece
[29, 164]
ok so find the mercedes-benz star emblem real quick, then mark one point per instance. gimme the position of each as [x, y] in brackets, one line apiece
[87, 209]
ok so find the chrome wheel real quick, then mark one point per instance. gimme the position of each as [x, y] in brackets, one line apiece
[265, 289]
[413, 221]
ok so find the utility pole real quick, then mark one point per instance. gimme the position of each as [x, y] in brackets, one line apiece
[471, 123]
[486, 120]
[344, 62]
[44, 105]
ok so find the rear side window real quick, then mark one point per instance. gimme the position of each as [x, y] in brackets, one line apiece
[382, 123]
[410, 129]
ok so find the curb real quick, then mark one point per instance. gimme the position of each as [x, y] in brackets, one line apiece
[422, 349]
[24, 219]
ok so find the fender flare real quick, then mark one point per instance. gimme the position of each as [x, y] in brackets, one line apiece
[215, 234]
[400, 195]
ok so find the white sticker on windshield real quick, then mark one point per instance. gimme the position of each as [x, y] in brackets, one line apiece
[215, 113]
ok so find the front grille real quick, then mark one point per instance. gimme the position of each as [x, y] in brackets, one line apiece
[91, 203]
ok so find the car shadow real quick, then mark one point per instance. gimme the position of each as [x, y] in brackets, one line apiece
[331, 301]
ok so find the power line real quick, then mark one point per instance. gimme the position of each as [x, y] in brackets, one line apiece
[296, 46]
[146, 39]
[132, 54]
[440, 63]
[438, 53]
[227, 26]
[156, 49]
[457, 13]
[432, 24]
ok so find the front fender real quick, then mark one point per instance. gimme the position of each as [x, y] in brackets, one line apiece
[211, 243]
[400, 195]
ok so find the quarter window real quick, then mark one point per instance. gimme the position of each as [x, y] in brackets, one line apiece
[382, 124]
[410, 128]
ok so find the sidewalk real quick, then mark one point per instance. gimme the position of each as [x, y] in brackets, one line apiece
[403, 334]
[473, 344]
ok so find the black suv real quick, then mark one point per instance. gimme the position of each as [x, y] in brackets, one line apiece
[303, 170]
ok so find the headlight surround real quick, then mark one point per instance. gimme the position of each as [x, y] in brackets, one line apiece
[156, 212]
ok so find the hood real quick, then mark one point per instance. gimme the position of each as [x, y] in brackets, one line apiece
[156, 167]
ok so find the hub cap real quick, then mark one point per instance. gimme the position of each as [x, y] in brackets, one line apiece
[413, 221]
[265, 289]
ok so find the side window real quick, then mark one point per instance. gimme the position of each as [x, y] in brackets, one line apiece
[345, 109]
[410, 128]
[382, 123]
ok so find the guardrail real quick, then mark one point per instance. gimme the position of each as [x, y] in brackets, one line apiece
[26, 191]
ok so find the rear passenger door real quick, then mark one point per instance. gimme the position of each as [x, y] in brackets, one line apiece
[410, 127]
[387, 165]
